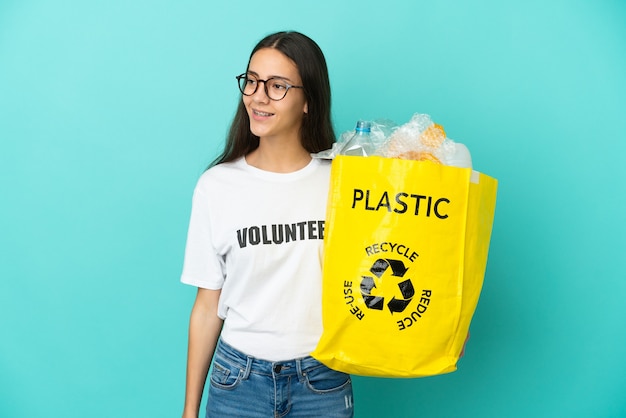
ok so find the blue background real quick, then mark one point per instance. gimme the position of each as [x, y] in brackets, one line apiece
[109, 112]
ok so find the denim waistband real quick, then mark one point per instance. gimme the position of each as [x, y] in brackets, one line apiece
[251, 364]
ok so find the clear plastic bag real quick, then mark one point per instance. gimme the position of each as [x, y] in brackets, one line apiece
[419, 139]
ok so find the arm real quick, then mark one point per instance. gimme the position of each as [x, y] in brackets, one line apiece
[204, 330]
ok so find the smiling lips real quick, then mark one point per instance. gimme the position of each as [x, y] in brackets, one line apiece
[258, 115]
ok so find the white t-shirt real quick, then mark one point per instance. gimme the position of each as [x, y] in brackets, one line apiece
[258, 236]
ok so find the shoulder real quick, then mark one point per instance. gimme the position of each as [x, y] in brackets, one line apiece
[220, 174]
[319, 171]
[322, 165]
[225, 168]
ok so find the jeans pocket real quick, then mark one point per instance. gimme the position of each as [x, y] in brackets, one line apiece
[321, 379]
[225, 375]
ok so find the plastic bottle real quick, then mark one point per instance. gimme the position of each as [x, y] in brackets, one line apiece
[360, 143]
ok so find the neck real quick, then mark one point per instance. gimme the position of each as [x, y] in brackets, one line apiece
[279, 157]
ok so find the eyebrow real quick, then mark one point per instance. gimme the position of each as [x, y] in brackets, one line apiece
[254, 73]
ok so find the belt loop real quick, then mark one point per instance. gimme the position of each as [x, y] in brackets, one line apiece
[246, 372]
[299, 369]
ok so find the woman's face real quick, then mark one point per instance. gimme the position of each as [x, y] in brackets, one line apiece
[270, 119]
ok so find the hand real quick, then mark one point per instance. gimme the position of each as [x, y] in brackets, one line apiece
[464, 344]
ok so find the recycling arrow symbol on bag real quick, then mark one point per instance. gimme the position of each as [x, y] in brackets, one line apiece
[378, 269]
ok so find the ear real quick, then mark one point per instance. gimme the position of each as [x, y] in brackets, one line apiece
[306, 108]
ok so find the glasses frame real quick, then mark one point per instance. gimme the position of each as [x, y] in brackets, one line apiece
[258, 80]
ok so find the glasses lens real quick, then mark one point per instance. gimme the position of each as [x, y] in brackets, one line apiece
[276, 88]
[247, 84]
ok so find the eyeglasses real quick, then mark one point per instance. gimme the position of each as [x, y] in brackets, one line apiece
[275, 88]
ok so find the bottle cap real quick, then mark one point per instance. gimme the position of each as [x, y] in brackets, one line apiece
[363, 126]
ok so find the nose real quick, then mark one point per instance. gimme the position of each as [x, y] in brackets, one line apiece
[260, 95]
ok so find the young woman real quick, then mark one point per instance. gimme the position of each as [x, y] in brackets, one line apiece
[254, 247]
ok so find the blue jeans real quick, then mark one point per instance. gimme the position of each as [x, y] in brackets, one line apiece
[243, 386]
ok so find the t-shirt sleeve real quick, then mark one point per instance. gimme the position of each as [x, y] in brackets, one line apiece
[203, 266]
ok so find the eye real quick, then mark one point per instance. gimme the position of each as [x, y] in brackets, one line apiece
[278, 85]
[251, 81]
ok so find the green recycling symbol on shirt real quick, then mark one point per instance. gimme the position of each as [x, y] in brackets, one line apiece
[378, 269]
